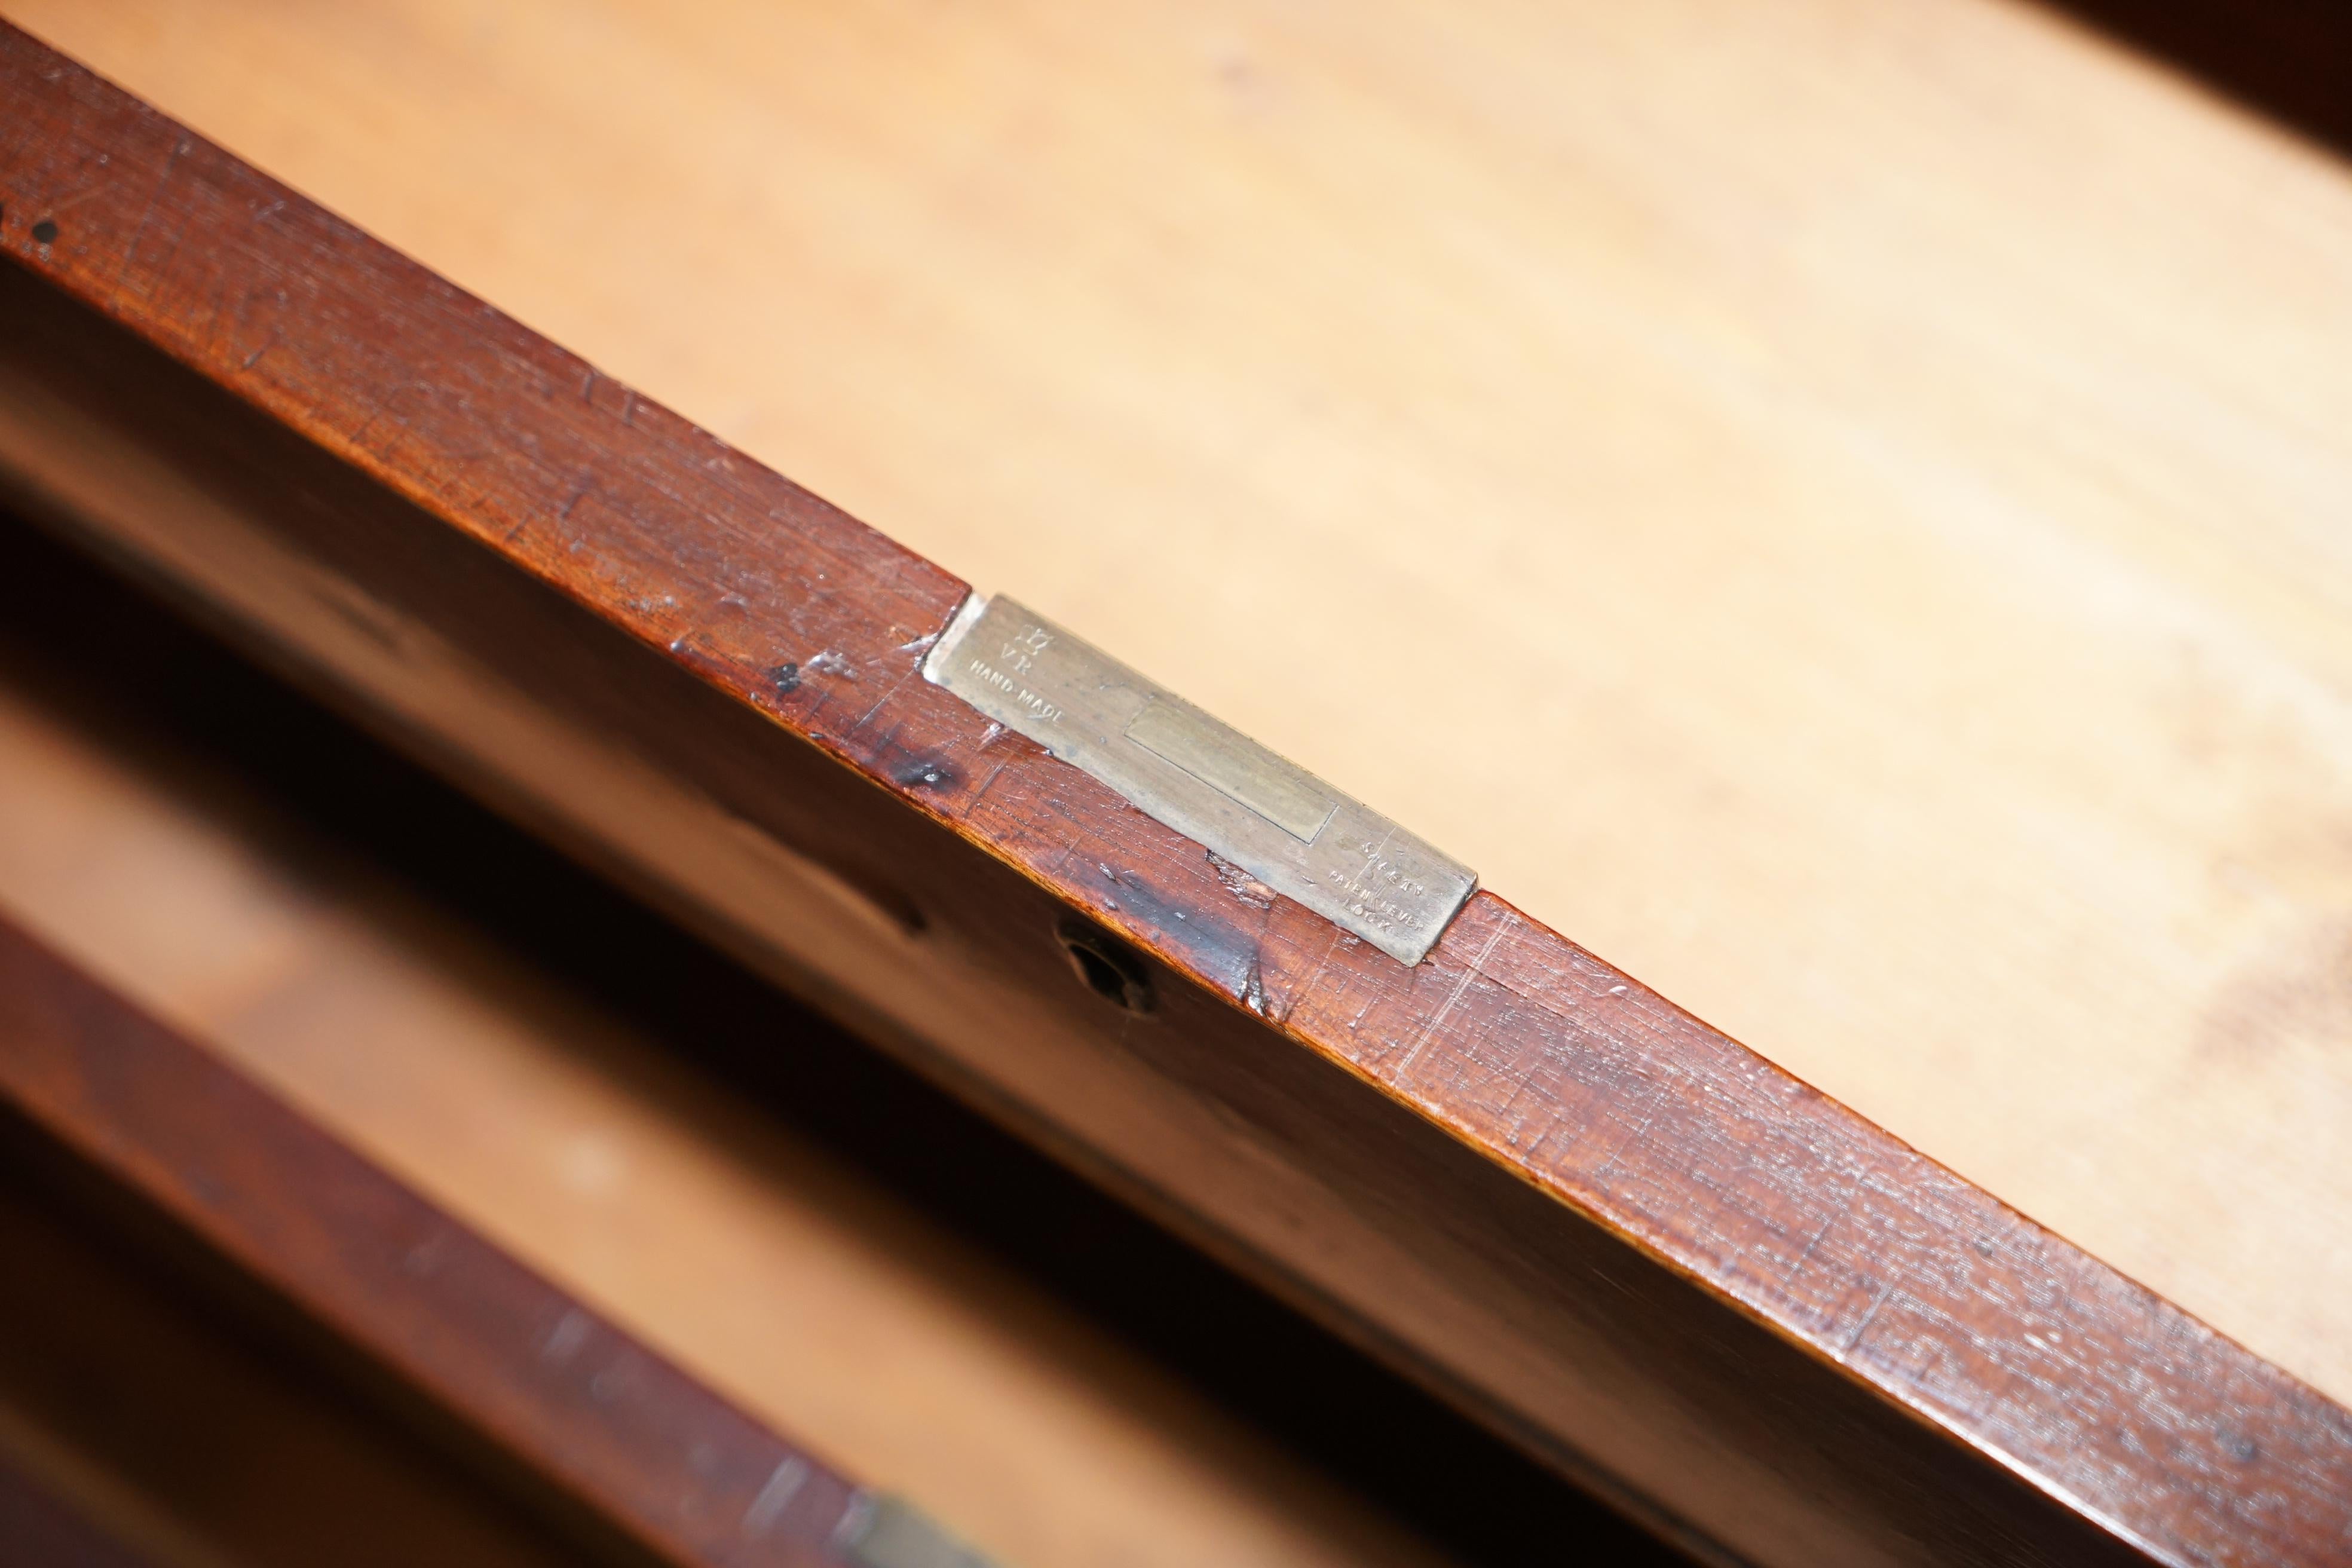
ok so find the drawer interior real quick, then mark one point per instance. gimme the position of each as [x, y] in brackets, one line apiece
[813, 1231]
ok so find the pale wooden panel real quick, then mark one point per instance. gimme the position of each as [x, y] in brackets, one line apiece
[1844, 506]
[758, 1263]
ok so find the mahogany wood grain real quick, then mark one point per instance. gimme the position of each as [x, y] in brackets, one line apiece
[1576, 1207]
[540, 1384]
[834, 1248]
[1888, 453]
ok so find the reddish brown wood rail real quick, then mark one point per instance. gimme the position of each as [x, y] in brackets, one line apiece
[538, 1377]
[1761, 1322]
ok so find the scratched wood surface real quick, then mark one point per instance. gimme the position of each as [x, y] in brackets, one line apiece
[1626, 1237]
[1890, 462]
[774, 1275]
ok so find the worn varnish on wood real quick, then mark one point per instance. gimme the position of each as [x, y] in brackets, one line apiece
[1772, 1326]
[416, 981]
[1885, 456]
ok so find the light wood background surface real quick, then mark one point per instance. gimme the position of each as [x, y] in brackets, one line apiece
[754, 1261]
[1843, 505]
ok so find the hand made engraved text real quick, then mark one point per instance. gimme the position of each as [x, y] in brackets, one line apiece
[1037, 706]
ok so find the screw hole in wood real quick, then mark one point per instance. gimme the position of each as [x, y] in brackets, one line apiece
[1108, 966]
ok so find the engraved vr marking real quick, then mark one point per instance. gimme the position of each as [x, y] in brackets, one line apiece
[1202, 778]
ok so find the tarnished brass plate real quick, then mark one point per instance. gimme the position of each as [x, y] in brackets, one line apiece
[1205, 779]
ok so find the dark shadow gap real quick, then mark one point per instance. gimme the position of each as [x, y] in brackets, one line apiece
[118, 659]
[2289, 60]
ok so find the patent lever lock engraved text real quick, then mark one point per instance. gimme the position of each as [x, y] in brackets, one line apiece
[1206, 780]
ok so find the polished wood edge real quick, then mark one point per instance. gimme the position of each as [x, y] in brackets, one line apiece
[550, 1386]
[1771, 1199]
